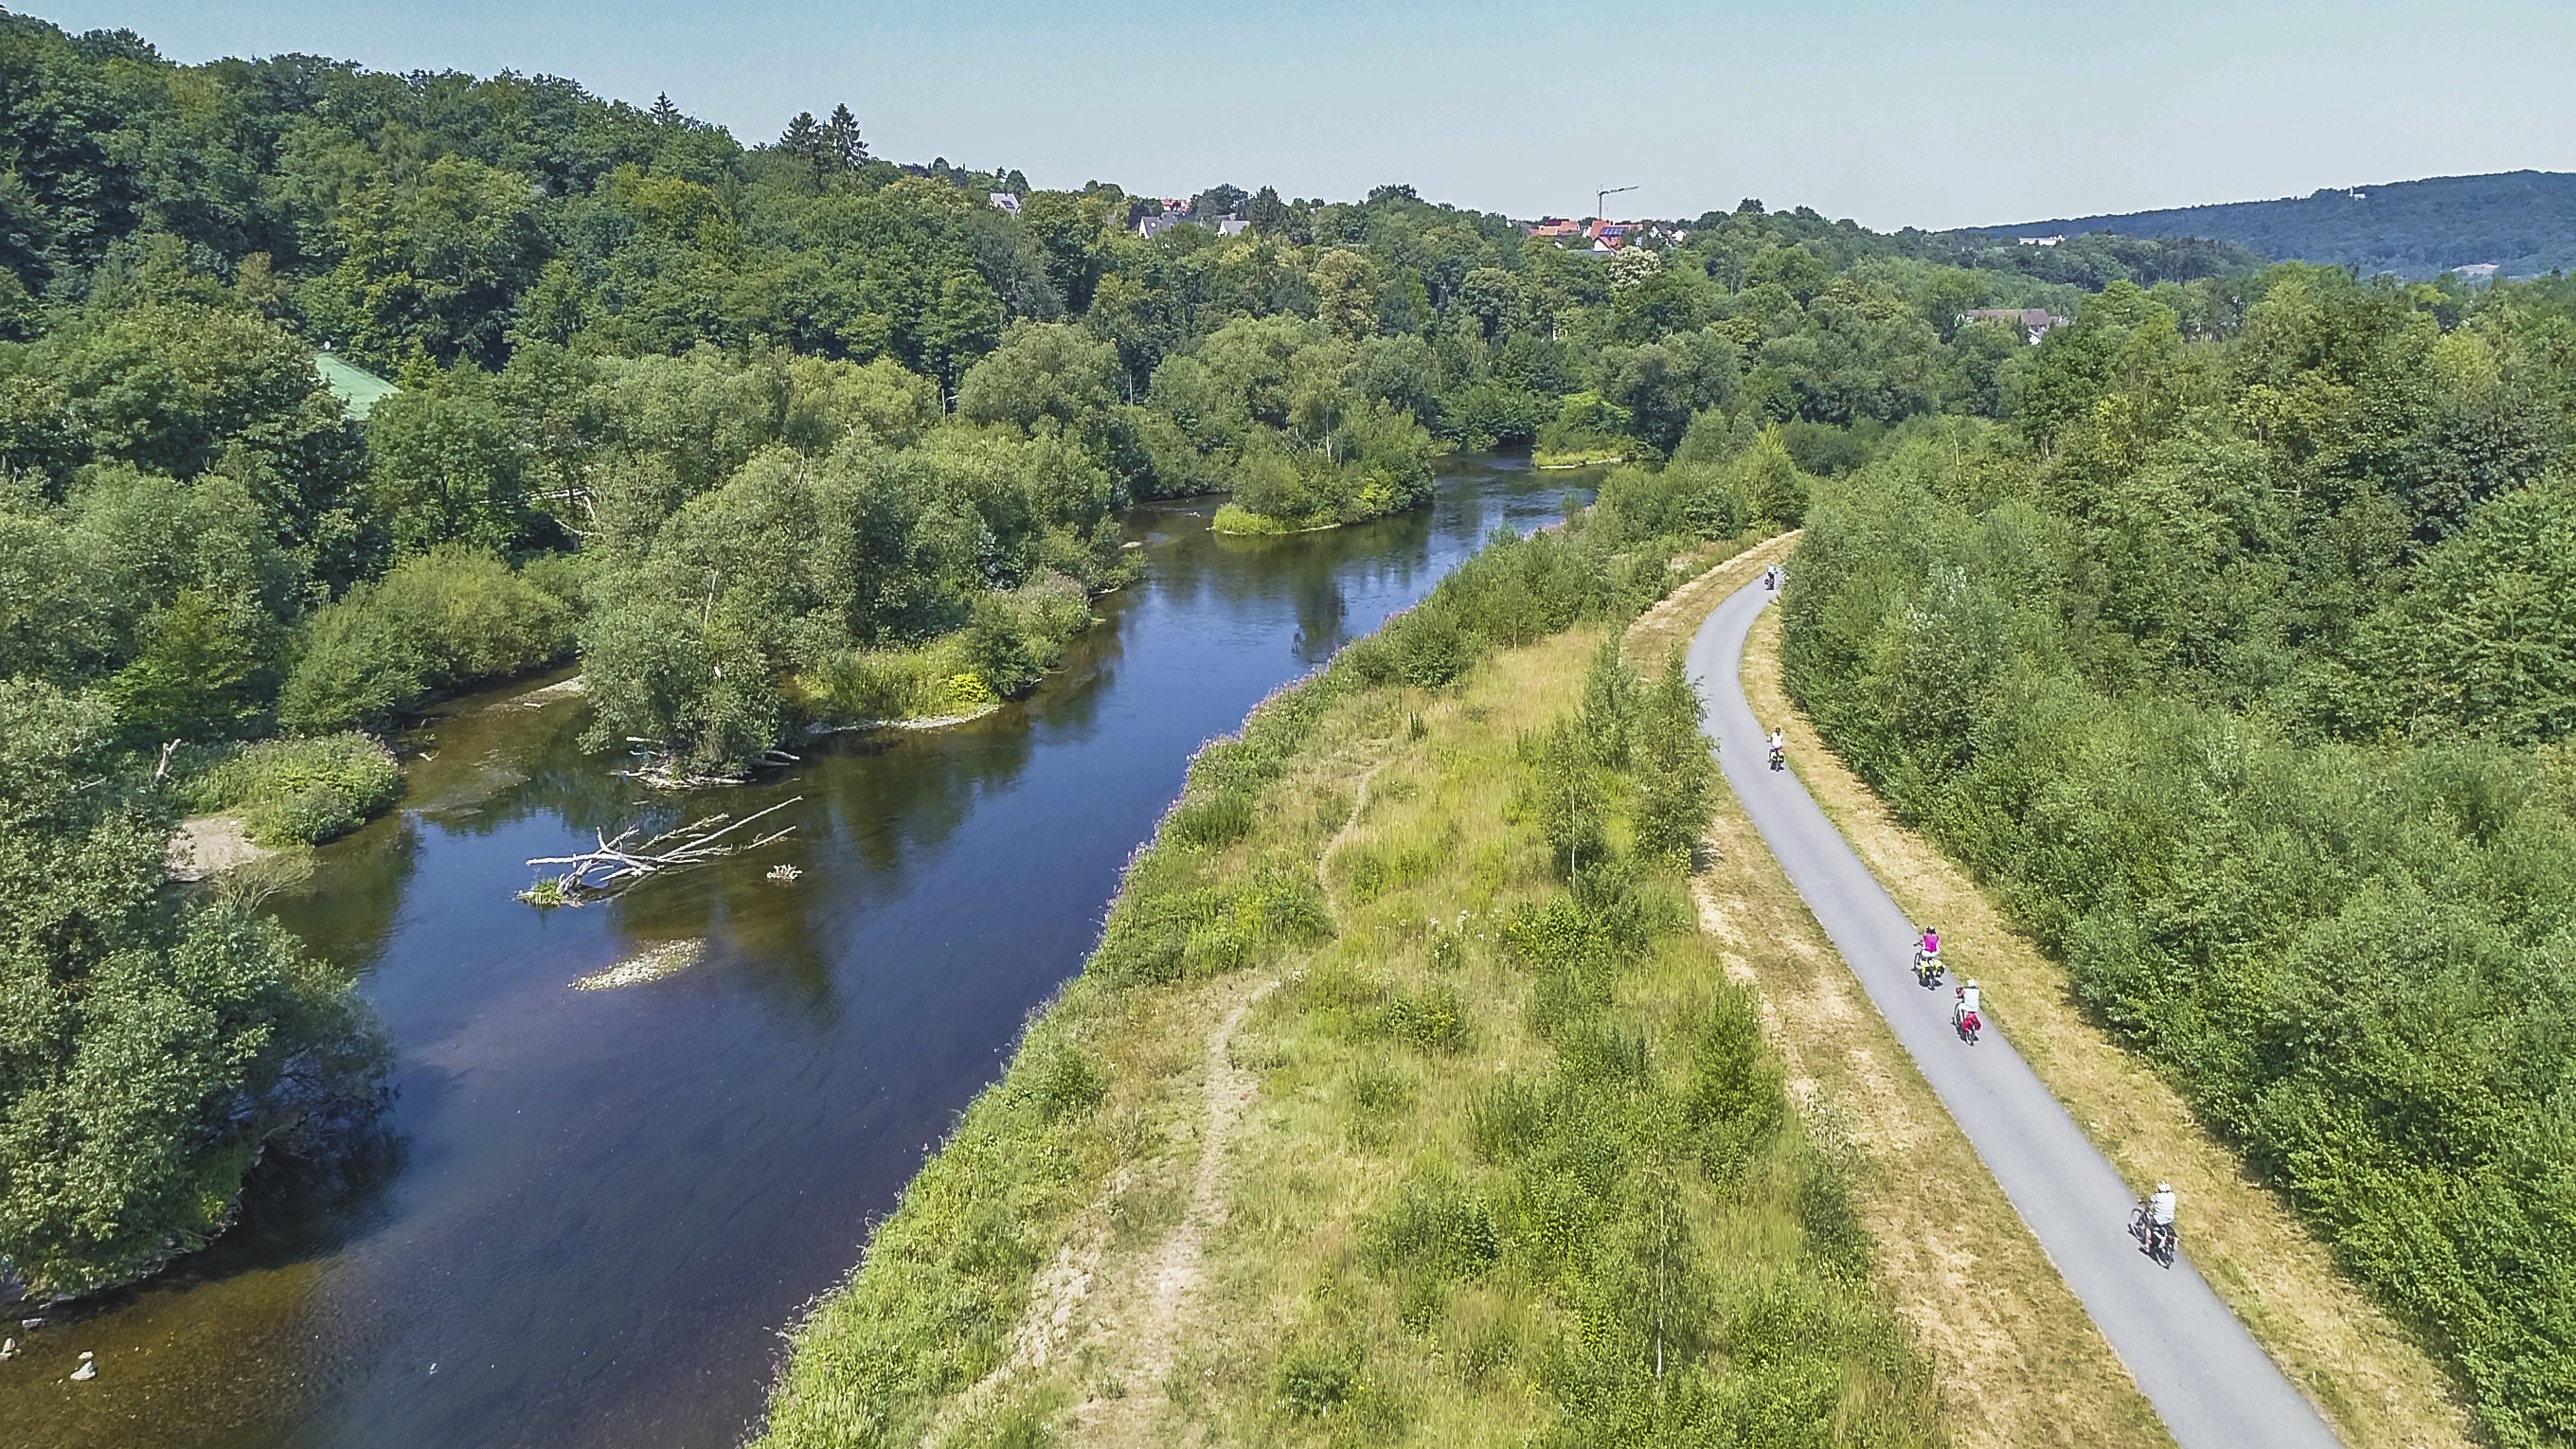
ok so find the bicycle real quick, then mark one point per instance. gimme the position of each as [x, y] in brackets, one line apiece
[2159, 1241]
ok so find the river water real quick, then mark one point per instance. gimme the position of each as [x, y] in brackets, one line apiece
[594, 1212]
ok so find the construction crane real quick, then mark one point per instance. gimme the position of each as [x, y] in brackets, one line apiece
[1602, 197]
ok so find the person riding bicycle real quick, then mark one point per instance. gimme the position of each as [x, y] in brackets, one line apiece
[1967, 1007]
[1931, 942]
[1779, 744]
[2154, 1226]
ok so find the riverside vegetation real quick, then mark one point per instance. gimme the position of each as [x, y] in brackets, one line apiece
[2241, 668]
[1487, 1145]
[767, 438]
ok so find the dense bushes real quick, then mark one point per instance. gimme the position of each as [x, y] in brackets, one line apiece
[2238, 753]
[147, 1050]
[1294, 422]
[1010, 640]
[705, 618]
[445, 619]
[300, 791]
[1759, 483]
[1589, 428]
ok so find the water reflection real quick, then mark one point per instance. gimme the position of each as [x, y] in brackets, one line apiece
[599, 1207]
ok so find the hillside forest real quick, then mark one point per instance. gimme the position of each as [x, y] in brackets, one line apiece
[2521, 223]
[789, 435]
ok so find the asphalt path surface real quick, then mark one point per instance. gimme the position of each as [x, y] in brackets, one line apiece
[2204, 1373]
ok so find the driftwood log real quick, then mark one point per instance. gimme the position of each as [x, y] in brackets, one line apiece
[661, 769]
[623, 860]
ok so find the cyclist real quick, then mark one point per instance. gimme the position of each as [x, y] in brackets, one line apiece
[2160, 1220]
[1966, 1012]
[1779, 748]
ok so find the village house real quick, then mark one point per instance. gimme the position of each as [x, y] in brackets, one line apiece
[2035, 321]
[1006, 202]
[1609, 236]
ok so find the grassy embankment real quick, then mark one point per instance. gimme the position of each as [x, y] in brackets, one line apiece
[286, 793]
[2380, 1389]
[1579, 458]
[1234, 518]
[1363, 1126]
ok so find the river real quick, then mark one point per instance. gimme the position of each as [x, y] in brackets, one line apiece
[594, 1212]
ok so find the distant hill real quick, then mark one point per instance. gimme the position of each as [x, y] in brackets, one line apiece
[2521, 222]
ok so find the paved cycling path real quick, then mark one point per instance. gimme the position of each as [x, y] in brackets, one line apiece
[2204, 1373]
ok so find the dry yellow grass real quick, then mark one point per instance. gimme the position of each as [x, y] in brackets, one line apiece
[2375, 1383]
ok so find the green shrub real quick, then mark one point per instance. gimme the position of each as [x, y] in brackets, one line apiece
[1213, 820]
[1732, 1098]
[868, 684]
[440, 620]
[1676, 774]
[1436, 1227]
[865, 685]
[1233, 518]
[1587, 426]
[1012, 639]
[300, 791]
[1434, 1020]
[1315, 1380]
[1836, 1238]
[1066, 1081]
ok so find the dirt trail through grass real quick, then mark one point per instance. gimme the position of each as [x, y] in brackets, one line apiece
[1159, 1299]
[1158, 1293]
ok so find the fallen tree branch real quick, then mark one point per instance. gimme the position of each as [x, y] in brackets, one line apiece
[621, 861]
[662, 770]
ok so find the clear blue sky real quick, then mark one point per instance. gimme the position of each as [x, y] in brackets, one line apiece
[1944, 113]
